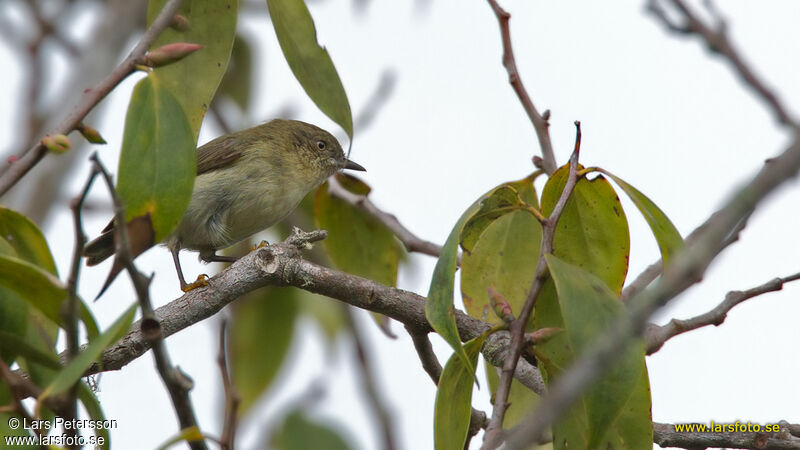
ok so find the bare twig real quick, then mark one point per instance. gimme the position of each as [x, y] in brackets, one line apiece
[20, 388]
[409, 239]
[686, 269]
[90, 98]
[716, 38]
[539, 121]
[368, 383]
[72, 311]
[232, 397]
[177, 383]
[665, 435]
[657, 335]
[493, 437]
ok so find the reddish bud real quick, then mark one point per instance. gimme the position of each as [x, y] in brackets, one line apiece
[58, 143]
[168, 54]
[500, 305]
[180, 23]
[91, 134]
[543, 335]
[12, 159]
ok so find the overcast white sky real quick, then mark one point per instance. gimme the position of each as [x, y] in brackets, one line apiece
[656, 110]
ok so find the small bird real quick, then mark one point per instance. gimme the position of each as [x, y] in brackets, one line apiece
[246, 182]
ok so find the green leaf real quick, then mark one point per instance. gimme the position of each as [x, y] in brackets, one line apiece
[357, 242]
[32, 353]
[451, 412]
[668, 238]
[504, 258]
[310, 63]
[41, 290]
[503, 200]
[26, 239]
[75, 369]
[299, 432]
[158, 161]
[237, 82]
[592, 232]
[92, 406]
[260, 335]
[615, 411]
[194, 80]
[439, 309]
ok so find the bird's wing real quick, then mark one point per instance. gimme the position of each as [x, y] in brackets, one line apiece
[218, 153]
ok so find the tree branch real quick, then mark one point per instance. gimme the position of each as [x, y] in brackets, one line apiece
[665, 435]
[539, 121]
[90, 98]
[657, 335]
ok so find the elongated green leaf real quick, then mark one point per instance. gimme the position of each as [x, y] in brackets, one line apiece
[260, 335]
[593, 230]
[75, 369]
[504, 258]
[439, 309]
[357, 242]
[158, 161]
[194, 79]
[586, 309]
[299, 432]
[26, 239]
[95, 411]
[310, 63]
[521, 400]
[453, 406]
[668, 238]
[12, 342]
[40, 289]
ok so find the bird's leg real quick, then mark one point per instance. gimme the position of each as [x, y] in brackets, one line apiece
[202, 279]
[214, 257]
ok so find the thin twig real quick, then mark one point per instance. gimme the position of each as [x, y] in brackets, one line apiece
[716, 38]
[686, 269]
[493, 437]
[91, 97]
[20, 388]
[177, 383]
[368, 383]
[657, 335]
[232, 397]
[72, 312]
[540, 123]
[411, 242]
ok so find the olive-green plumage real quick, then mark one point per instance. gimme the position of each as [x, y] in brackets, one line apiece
[246, 182]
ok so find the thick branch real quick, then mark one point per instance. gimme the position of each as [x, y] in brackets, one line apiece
[665, 435]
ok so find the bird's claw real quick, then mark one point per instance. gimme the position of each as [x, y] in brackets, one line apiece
[202, 280]
[261, 244]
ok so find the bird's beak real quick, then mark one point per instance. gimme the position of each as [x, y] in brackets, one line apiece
[353, 166]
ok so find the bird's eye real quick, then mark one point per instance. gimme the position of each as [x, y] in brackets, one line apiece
[321, 145]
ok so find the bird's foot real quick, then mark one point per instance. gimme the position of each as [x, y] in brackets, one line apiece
[202, 280]
[261, 244]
